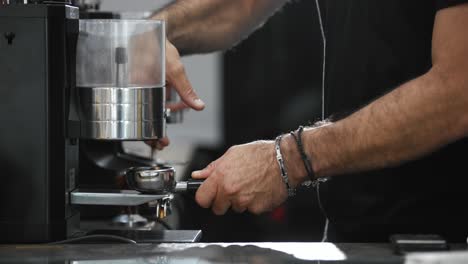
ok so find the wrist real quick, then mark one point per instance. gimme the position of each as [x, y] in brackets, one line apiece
[318, 152]
[293, 162]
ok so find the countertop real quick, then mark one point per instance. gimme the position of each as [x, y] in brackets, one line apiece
[207, 253]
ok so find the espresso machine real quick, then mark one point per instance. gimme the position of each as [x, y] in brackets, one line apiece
[71, 91]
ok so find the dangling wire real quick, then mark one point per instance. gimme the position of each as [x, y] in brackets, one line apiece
[324, 64]
[325, 228]
[324, 55]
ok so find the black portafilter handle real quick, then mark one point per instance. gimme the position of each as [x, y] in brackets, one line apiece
[190, 185]
[193, 185]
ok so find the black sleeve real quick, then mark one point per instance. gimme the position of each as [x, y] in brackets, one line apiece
[447, 3]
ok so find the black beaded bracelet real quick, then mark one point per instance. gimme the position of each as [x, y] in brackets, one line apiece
[304, 157]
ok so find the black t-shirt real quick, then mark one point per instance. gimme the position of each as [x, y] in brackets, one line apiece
[373, 47]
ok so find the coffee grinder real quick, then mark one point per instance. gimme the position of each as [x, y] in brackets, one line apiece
[67, 86]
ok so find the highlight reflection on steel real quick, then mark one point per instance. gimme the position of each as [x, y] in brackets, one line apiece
[110, 113]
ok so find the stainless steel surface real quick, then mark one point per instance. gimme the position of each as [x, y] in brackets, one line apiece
[158, 179]
[88, 5]
[174, 117]
[181, 187]
[113, 197]
[109, 113]
[203, 253]
[129, 220]
[120, 75]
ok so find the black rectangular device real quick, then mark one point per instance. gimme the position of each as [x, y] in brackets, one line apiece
[407, 243]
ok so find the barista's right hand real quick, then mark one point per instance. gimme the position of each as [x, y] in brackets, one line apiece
[176, 78]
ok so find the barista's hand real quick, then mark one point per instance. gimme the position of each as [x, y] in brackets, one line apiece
[146, 50]
[246, 177]
[159, 144]
[176, 78]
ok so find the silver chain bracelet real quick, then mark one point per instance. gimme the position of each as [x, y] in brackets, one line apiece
[284, 172]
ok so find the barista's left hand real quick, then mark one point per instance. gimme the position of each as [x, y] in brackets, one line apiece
[176, 78]
[246, 177]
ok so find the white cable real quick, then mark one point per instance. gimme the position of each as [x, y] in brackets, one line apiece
[324, 55]
[325, 231]
[324, 64]
[325, 228]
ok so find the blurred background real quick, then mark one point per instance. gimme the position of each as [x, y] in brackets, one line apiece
[267, 85]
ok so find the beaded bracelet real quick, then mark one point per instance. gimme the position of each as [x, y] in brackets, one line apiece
[284, 172]
[304, 157]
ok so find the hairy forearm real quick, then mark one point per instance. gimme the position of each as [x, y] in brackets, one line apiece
[196, 26]
[407, 123]
[411, 121]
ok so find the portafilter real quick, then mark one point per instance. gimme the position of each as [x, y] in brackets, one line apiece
[158, 180]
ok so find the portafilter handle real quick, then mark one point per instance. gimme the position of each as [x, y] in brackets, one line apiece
[188, 186]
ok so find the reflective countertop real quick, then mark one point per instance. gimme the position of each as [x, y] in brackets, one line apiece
[213, 253]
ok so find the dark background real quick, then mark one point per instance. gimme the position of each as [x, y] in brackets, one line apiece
[272, 84]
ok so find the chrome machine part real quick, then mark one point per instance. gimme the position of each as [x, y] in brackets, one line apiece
[162, 207]
[186, 186]
[174, 117]
[181, 187]
[157, 179]
[113, 197]
[109, 113]
[120, 78]
[129, 220]
[152, 180]
[88, 5]
[130, 198]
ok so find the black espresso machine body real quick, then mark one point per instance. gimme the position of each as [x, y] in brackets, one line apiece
[38, 151]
